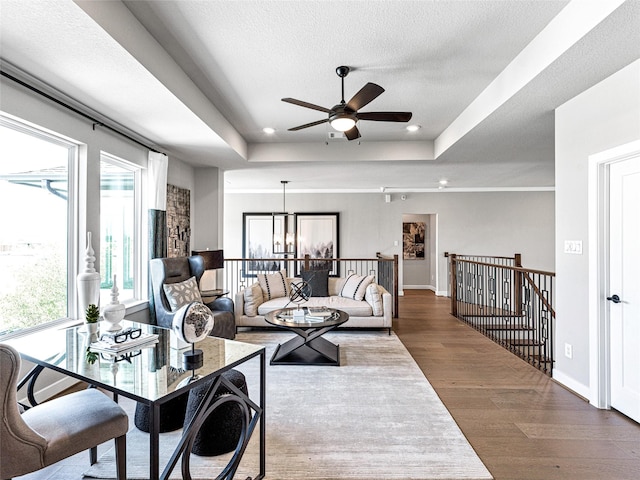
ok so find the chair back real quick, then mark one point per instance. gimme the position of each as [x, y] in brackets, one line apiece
[22, 449]
[167, 271]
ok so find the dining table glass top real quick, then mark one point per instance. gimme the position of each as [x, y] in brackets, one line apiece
[145, 372]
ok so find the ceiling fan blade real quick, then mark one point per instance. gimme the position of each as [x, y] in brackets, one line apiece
[366, 94]
[306, 125]
[385, 116]
[306, 104]
[352, 134]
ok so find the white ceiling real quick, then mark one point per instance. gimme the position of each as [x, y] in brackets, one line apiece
[200, 79]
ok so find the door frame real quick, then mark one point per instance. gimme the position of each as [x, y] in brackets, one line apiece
[599, 322]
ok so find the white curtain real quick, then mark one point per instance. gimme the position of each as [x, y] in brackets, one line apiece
[157, 167]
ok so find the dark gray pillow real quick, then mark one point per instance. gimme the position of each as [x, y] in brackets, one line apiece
[318, 280]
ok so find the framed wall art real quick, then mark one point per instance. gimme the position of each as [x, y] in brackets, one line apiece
[257, 243]
[413, 234]
[317, 234]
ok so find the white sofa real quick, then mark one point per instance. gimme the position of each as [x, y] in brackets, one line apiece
[373, 311]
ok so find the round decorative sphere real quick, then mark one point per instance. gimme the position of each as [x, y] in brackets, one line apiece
[193, 322]
[300, 292]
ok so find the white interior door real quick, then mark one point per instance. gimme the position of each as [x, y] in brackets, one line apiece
[624, 272]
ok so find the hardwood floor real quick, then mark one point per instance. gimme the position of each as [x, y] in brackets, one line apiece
[521, 423]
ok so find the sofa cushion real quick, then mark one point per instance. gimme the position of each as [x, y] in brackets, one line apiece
[182, 293]
[355, 286]
[252, 299]
[318, 280]
[274, 285]
[373, 298]
[354, 308]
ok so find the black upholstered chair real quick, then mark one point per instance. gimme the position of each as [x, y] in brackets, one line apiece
[174, 270]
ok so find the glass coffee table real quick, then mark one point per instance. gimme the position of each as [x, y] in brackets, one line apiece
[308, 347]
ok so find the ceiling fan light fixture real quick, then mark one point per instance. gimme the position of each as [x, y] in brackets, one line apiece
[414, 128]
[343, 123]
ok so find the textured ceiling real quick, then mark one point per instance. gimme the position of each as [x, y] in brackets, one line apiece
[200, 79]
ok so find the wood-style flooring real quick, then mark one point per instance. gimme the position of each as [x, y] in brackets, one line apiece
[522, 424]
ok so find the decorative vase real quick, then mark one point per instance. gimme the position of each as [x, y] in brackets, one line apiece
[93, 330]
[114, 311]
[88, 281]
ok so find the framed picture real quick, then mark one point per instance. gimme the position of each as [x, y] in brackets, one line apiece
[257, 242]
[413, 234]
[317, 235]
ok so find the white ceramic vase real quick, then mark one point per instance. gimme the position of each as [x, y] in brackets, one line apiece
[93, 330]
[113, 313]
[88, 281]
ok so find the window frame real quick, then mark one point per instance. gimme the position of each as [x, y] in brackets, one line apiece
[139, 276]
[74, 208]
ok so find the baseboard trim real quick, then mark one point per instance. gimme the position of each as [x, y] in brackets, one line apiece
[570, 384]
[442, 293]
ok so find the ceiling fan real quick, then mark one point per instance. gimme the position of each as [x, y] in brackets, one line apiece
[345, 115]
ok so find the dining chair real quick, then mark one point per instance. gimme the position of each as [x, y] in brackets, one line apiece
[55, 429]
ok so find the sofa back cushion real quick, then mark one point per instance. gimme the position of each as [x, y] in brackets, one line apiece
[374, 298]
[274, 285]
[253, 298]
[355, 286]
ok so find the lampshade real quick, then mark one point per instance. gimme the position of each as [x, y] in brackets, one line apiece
[342, 123]
[213, 259]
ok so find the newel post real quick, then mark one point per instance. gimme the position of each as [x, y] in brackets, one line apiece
[517, 284]
[454, 290]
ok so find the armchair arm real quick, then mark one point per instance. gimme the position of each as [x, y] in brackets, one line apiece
[221, 304]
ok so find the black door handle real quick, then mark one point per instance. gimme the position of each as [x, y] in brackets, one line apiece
[614, 299]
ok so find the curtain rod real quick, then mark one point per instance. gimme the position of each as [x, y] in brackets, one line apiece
[75, 110]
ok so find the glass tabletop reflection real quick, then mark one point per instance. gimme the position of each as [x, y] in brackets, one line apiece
[146, 372]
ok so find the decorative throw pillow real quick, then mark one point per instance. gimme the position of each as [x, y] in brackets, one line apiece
[274, 285]
[252, 299]
[373, 298]
[355, 286]
[318, 280]
[181, 293]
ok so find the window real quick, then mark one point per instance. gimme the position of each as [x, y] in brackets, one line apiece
[119, 217]
[36, 200]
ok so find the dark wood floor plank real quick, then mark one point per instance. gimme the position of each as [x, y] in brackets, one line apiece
[522, 424]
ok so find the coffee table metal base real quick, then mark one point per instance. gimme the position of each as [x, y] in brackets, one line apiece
[300, 351]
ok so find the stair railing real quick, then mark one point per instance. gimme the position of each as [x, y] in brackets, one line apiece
[511, 305]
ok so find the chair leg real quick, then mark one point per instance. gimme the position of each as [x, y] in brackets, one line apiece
[93, 455]
[121, 457]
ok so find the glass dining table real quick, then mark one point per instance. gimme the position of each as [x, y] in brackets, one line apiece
[153, 374]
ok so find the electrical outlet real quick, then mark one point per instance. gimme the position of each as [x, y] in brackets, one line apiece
[568, 350]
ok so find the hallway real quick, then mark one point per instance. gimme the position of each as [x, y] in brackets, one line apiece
[522, 424]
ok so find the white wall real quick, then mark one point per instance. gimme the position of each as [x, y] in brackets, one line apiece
[603, 117]
[496, 223]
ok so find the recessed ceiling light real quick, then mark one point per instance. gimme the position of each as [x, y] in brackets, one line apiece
[269, 130]
[443, 182]
[414, 128]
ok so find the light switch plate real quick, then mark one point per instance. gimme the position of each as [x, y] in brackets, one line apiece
[573, 247]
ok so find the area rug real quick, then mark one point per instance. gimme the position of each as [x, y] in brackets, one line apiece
[374, 417]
